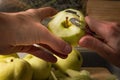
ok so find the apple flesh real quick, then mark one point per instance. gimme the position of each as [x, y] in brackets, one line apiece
[15, 69]
[73, 61]
[79, 75]
[68, 24]
[41, 68]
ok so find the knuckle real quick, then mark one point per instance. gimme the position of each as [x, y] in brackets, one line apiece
[113, 30]
[31, 10]
[112, 27]
[114, 24]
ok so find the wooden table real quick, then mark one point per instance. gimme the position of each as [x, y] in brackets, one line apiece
[104, 9]
[98, 73]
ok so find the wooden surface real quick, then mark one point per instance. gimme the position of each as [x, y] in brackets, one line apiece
[104, 9]
[98, 73]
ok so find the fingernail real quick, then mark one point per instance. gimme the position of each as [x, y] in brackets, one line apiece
[67, 49]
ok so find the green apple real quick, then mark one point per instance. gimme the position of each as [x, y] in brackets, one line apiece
[73, 61]
[41, 68]
[9, 55]
[68, 24]
[15, 69]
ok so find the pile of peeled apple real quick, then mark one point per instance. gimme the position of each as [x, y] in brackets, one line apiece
[69, 25]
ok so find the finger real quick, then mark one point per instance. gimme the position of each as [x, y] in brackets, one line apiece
[94, 44]
[101, 48]
[36, 52]
[46, 12]
[43, 55]
[53, 41]
[59, 46]
[99, 27]
[44, 36]
[54, 52]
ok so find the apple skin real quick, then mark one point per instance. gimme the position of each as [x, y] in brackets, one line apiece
[15, 69]
[72, 33]
[79, 75]
[73, 61]
[41, 68]
[9, 55]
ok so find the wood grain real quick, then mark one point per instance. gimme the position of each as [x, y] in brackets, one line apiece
[98, 73]
[104, 9]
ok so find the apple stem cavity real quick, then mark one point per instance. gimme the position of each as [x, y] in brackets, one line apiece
[66, 23]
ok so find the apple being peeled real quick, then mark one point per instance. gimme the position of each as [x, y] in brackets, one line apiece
[15, 69]
[68, 24]
[73, 61]
[41, 68]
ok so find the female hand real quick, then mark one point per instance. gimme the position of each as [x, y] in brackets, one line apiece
[20, 30]
[109, 47]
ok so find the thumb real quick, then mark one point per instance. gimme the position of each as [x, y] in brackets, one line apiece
[42, 13]
[98, 27]
[95, 44]
[101, 48]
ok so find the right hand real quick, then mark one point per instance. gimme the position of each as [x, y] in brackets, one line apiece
[110, 33]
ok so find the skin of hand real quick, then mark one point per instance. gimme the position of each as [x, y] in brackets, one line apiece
[109, 47]
[20, 30]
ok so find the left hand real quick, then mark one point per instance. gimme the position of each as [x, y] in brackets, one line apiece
[20, 30]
